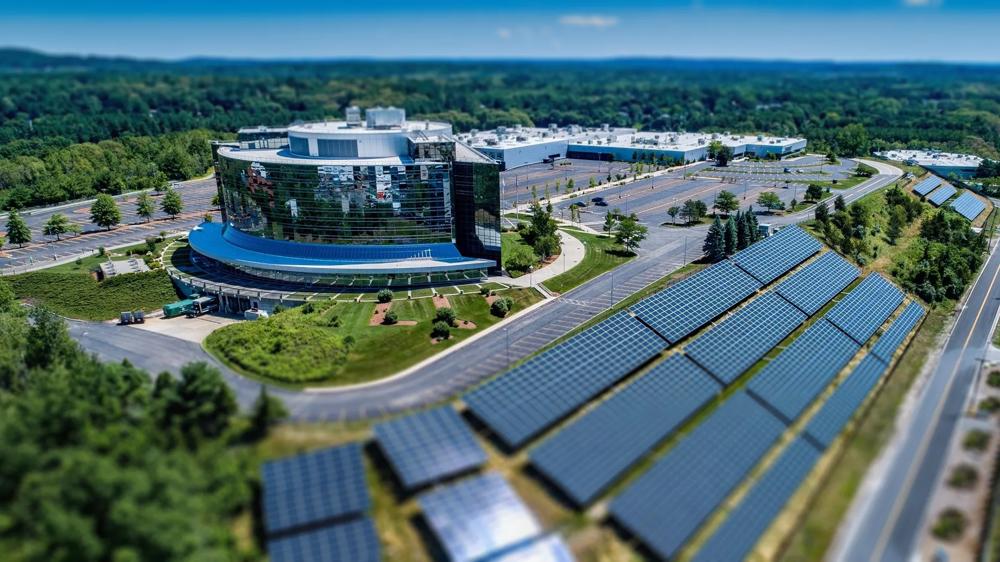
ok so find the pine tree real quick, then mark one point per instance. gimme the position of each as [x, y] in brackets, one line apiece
[742, 232]
[822, 212]
[715, 242]
[839, 204]
[730, 236]
[17, 230]
[144, 206]
[753, 227]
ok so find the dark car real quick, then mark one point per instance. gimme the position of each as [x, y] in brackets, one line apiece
[601, 203]
[578, 204]
[597, 200]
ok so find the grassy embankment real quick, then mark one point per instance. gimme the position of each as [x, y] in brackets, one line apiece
[602, 254]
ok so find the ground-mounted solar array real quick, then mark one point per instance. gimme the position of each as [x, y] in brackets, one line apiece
[478, 517]
[353, 541]
[689, 304]
[737, 535]
[817, 282]
[968, 205]
[866, 307]
[665, 505]
[586, 456]
[428, 446]
[314, 487]
[800, 372]
[732, 346]
[885, 347]
[828, 422]
[534, 395]
[941, 194]
[772, 257]
[927, 185]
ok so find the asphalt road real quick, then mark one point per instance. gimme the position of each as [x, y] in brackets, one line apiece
[887, 524]
[665, 250]
[195, 194]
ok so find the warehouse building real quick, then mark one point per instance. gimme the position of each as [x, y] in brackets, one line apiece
[941, 163]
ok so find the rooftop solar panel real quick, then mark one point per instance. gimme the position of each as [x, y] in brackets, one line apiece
[927, 185]
[885, 347]
[772, 257]
[689, 304]
[313, 487]
[545, 549]
[968, 205]
[737, 535]
[819, 281]
[429, 446]
[799, 373]
[587, 456]
[839, 408]
[866, 307]
[477, 517]
[732, 346]
[544, 389]
[353, 541]
[941, 194]
[672, 499]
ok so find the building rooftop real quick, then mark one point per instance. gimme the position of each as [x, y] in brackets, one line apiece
[933, 158]
[342, 127]
[285, 156]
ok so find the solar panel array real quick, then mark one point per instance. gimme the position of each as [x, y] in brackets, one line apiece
[828, 422]
[799, 373]
[477, 517]
[546, 549]
[689, 304]
[866, 307]
[671, 500]
[428, 446]
[735, 344]
[587, 456]
[889, 342]
[534, 395]
[733, 540]
[772, 257]
[941, 194]
[968, 205]
[926, 186]
[819, 281]
[314, 487]
[354, 541]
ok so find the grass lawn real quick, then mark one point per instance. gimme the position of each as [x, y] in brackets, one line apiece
[511, 242]
[298, 347]
[602, 254]
[78, 295]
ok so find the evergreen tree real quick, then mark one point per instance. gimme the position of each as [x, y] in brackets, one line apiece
[742, 231]
[839, 204]
[145, 208]
[730, 236]
[753, 227]
[267, 412]
[897, 220]
[104, 212]
[822, 212]
[17, 230]
[609, 222]
[715, 242]
[172, 204]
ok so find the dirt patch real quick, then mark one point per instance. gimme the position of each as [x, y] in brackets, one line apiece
[491, 298]
[465, 324]
[441, 301]
[378, 316]
[82, 211]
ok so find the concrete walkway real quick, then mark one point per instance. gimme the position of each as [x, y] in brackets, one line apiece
[572, 254]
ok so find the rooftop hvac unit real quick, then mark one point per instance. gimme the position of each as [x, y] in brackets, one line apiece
[385, 117]
[501, 130]
[353, 116]
[553, 126]
[604, 126]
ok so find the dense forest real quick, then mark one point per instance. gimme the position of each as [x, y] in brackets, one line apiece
[54, 103]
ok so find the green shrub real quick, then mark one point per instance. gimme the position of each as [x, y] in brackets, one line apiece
[989, 404]
[390, 318]
[993, 379]
[384, 295]
[446, 315]
[278, 308]
[485, 291]
[441, 330]
[151, 245]
[501, 306]
[950, 525]
[963, 477]
[307, 308]
[976, 440]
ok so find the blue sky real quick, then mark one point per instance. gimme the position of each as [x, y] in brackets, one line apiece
[925, 30]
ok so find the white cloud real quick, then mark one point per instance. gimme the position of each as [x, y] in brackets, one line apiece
[504, 33]
[589, 20]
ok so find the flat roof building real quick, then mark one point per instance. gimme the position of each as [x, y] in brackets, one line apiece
[941, 163]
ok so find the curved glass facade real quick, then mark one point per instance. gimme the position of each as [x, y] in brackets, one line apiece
[337, 204]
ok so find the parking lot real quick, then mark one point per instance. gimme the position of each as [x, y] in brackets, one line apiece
[803, 169]
[519, 181]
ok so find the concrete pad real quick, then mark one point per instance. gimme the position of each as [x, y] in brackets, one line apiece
[189, 329]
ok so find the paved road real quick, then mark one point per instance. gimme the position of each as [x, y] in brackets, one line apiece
[887, 523]
[195, 194]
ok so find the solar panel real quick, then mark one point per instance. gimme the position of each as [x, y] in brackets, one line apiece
[314, 487]
[885, 347]
[478, 517]
[353, 541]
[866, 307]
[587, 456]
[968, 205]
[429, 445]
[839, 408]
[737, 535]
[819, 281]
[926, 186]
[672, 499]
[732, 346]
[941, 194]
[689, 304]
[546, 549]
[799, 373]
[772, 257]
[542, 390]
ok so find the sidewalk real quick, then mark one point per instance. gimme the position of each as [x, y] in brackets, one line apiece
[572, 254]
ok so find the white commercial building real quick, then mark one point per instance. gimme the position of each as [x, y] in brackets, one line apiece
[941, 163]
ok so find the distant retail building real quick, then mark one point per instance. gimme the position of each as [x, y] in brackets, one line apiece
[941, 163]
